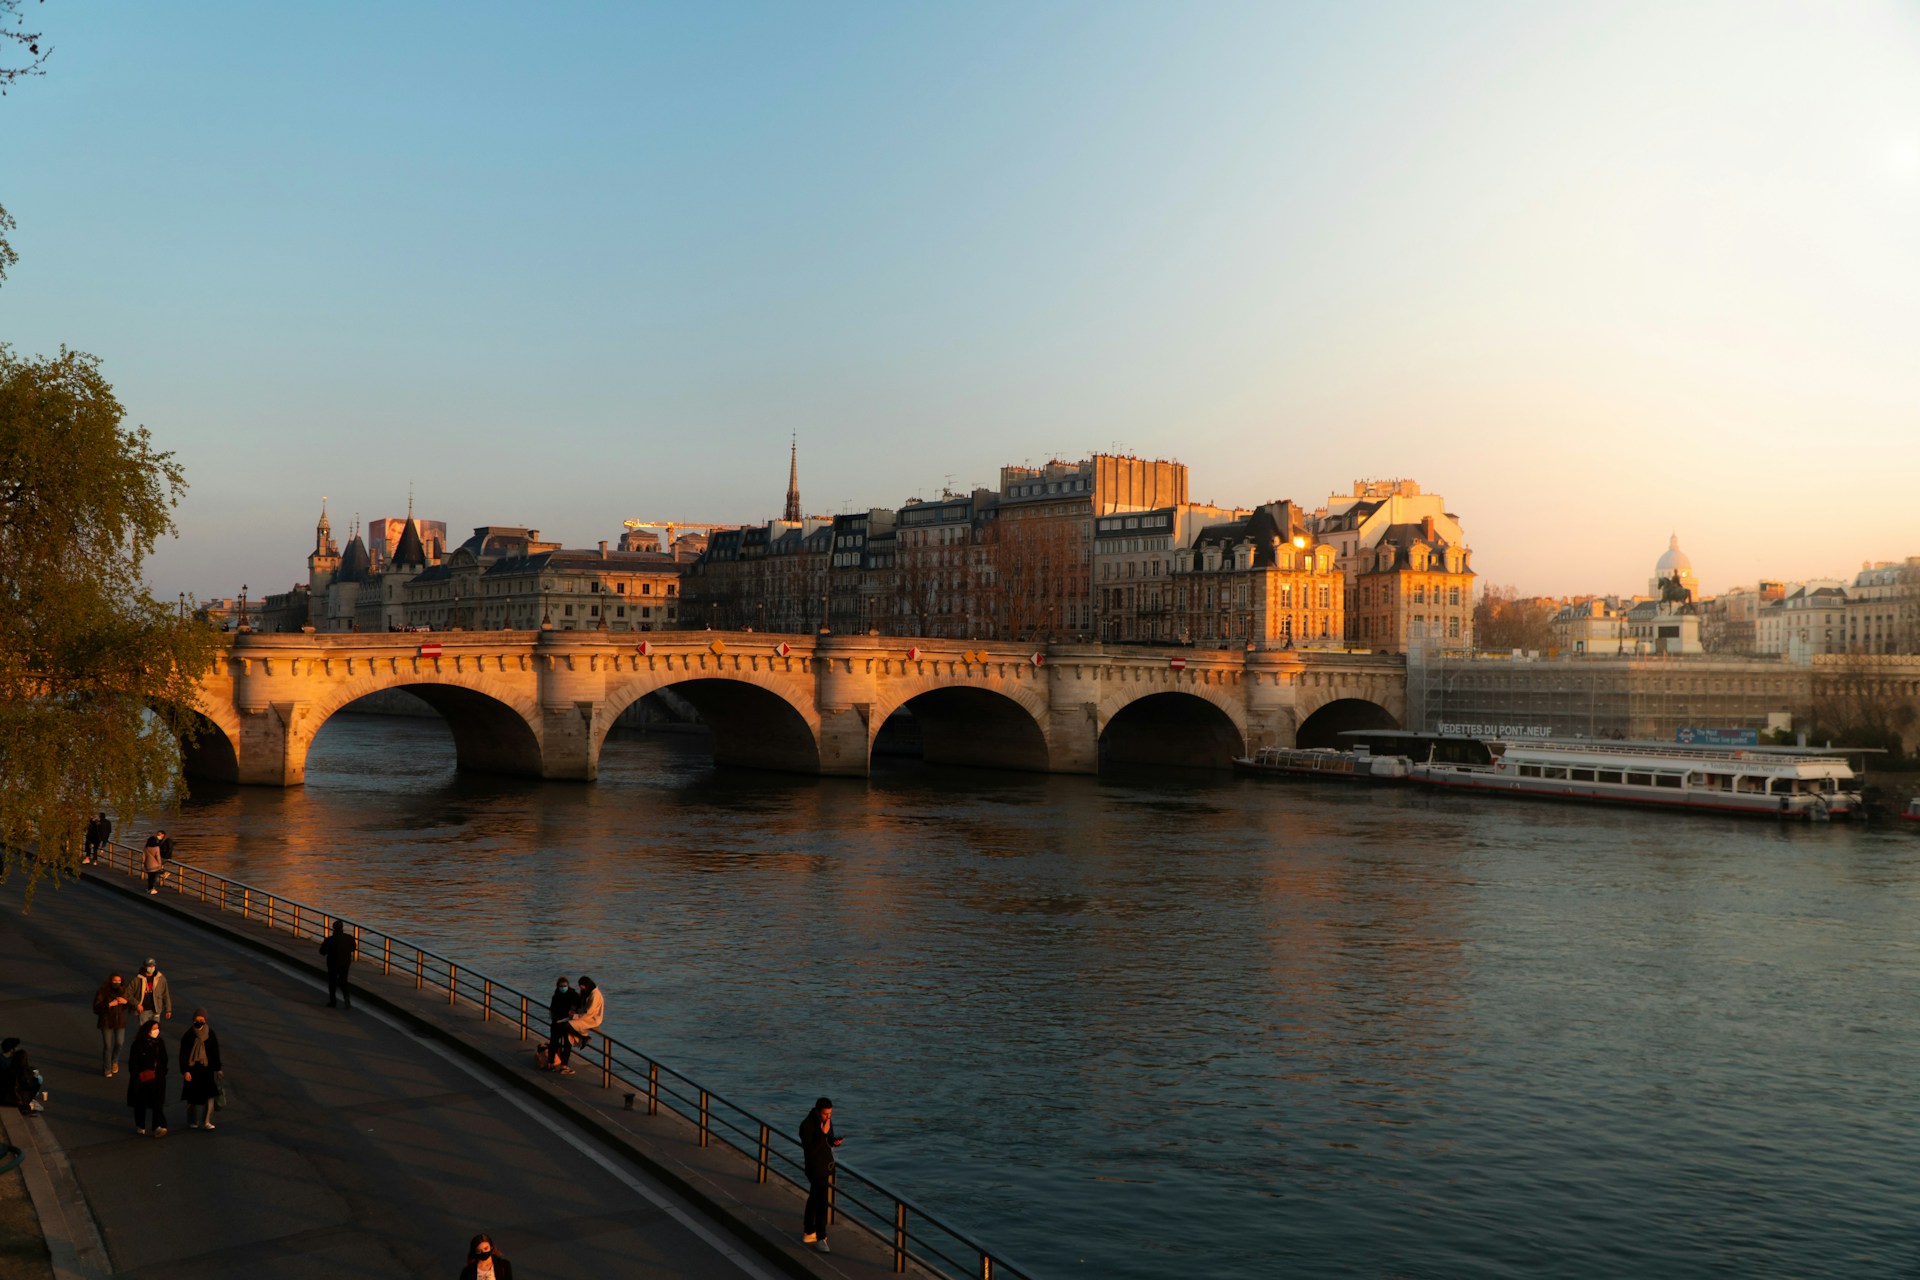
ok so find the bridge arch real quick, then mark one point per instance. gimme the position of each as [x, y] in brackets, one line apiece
[214, 751]
[1194, 727]
[970, 724]
[494, 730]
[1324, 727]
[755, 725]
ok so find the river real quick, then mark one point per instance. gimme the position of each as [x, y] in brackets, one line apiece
[1150, 1025]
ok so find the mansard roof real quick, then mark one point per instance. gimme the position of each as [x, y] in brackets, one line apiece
[1266, 528]
[583, 561]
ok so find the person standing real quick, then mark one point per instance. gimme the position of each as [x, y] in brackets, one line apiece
[817, 1141]
[110, 1005]
[581, 1023]
[153, 862]
[560, 1007]
[152, 997]
[199, 1071]
[339, 947]
[166, 846]
[483, 1263]
[147, 1080]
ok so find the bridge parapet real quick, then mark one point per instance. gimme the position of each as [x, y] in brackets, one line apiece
[542, 702]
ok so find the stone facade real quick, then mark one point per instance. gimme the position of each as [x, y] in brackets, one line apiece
[1413, 588]
[1260, 581]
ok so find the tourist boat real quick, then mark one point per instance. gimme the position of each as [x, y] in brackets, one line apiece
[1357, 765]
[1913, 810]
[1777, 782]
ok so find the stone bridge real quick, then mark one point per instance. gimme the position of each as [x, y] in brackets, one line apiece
[540, 703]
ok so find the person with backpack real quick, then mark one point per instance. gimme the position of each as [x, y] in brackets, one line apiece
[147, 1080]
[817, 1141]
[110, 1005]
[340, 948]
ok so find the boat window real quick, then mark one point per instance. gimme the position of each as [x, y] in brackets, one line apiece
[1609, 775]
[1529, 770]
[1666, 779]
[1553, 771]
[1583, 775]
[1639, 779]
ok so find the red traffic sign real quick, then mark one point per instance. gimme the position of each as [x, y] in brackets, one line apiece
[1178, 664]
[783, 649]
[644, 648]
[913, 654]
[1038, 659]
[429, 650]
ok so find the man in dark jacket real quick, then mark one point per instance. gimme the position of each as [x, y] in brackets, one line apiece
[111, 1004]
[564, 1003]
[817, 1141]
[339, 947]
[99, 831]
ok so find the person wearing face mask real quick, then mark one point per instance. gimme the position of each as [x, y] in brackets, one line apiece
[483, 1263]
[199, 1071]
[147, 1080]
[152, 997]
[110, 1005]
[560, 1007]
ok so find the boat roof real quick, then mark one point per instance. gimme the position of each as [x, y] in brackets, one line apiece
[1636, 745]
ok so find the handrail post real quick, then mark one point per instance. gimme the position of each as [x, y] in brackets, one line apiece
[486, 1001]
[269, 912]
[296, 918]
[899, 1235]
[386, 961]
[523, 1017]
[246, 904]
[203, 887]
[761, 1163]
[453, 977]
[419, 969]
[606, 1061]
[653, 1088]
[986, 1265]
[705, 1132]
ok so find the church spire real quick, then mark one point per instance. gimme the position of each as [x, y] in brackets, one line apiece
[793, 480]
[323, 533]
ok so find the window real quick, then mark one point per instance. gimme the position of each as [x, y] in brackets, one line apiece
[1326, 597]
[1420, 594]
[569, 611]
[1453, 628]
[620, 612]
[622, 589]
[1453, 595]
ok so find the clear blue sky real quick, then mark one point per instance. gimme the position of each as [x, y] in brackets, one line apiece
[1594, 272]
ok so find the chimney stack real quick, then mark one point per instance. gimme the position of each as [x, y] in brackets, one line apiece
[603, 544]
[1426, 528]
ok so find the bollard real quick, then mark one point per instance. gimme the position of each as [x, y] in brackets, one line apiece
[626, 1101]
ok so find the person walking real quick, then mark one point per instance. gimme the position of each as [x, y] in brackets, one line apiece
[110, 1005]
[483, 1263]
[581, 1023]
[339, 947]
[153, 862]
[817, 1141]
[152, 997]
[147, 1080]
[99, 831]
[560, 1006]
[199, 1071]
[166, 846]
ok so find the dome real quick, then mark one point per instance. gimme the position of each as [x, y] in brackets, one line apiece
[1674, 563]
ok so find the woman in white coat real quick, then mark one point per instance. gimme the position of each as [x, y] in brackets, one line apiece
[586, 1019]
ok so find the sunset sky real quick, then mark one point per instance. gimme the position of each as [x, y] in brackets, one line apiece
[1597, 273]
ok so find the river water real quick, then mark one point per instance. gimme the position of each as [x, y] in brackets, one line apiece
[1151, 1025]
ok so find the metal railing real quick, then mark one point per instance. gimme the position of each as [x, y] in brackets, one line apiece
[909, 1232]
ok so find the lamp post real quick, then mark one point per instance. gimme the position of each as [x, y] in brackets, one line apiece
[241, 625]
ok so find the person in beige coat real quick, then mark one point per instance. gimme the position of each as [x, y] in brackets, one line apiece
[585, 1020]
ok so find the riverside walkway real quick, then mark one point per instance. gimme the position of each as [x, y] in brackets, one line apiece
[368, 1143]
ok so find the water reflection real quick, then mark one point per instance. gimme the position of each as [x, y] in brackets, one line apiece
[1150, 1025]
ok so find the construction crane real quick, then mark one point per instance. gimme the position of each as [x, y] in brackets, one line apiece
[633, 526]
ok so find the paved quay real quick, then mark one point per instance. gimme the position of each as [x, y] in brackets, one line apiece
[369, 1143]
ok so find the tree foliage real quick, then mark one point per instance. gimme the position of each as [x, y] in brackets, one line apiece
[96, 676]
[1504, 621]
[28, 54]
